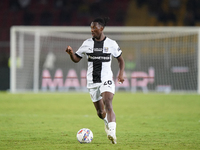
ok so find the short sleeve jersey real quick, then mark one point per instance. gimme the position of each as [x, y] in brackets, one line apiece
[99, 55]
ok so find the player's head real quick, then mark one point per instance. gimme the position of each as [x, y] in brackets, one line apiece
[101, 21]
[97, 26]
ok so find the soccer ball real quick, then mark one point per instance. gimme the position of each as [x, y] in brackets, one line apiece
[84, 135]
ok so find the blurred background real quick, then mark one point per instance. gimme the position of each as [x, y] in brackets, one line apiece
[82, 12]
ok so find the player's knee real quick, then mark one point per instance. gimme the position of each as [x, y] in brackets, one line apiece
[108, 98]
[108, 102]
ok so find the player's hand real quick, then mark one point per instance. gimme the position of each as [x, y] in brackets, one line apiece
[120, 79]
[69, 50]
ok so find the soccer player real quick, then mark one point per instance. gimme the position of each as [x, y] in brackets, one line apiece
[99, 51]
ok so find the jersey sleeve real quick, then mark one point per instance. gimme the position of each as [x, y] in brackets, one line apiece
[81, 51]
[116, 50]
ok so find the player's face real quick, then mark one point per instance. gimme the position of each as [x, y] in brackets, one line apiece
[96, 30]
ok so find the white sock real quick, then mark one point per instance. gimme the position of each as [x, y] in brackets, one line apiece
[112, 127]
[106, 121]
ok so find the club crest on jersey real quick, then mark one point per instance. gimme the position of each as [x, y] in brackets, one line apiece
[106, 49]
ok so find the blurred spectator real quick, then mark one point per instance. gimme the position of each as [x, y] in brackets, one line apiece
[58, 3]
[140, 3]
[197, 4]
[96, 9]
[65, 17]
[14, 5]
[162, 16]
[83, 10]
[174, 4]
[189, 19]
[197, 15]
[46, 18]
[28, 18]
[190, 5]
[24, 3]
[166, 16]
[171, 16]
[120, 17]
[75, 4]
[193, 7]
[43, 2]
[154, 7]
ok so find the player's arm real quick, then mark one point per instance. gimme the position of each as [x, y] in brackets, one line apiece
[73, 56]
[121, 69]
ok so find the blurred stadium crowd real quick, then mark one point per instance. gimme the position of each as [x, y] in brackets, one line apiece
[81, 12]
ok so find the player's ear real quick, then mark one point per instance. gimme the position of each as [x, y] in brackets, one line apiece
[101, 28]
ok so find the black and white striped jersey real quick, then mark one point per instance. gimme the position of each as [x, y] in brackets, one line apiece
[99, 55]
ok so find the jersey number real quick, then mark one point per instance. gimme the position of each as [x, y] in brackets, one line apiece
[109, 82]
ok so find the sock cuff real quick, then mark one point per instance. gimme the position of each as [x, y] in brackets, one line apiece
[112, 125]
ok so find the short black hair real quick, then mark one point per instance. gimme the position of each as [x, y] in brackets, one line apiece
[102, 21]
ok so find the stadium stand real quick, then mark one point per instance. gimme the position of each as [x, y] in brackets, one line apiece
[80, 13]
[126, 12]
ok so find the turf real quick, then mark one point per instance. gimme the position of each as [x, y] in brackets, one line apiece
[50, 121]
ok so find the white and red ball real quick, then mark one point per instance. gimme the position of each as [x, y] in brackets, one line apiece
[84, 135]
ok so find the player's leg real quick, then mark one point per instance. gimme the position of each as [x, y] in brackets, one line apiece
[99, 105]
[102, 100]
[107, 100]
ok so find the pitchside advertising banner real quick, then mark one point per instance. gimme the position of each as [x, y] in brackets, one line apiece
[63, 80]
[77, 80]
[144, 75]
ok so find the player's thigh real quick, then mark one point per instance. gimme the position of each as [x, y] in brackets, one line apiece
[95, 94]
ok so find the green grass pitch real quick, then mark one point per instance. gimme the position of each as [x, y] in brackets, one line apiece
[50, 121]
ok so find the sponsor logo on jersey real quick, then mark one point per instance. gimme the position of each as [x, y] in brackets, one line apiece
[104, 57]
[99, 57]
[98, 49]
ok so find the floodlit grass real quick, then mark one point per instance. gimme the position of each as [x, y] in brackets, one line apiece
[144, 122]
